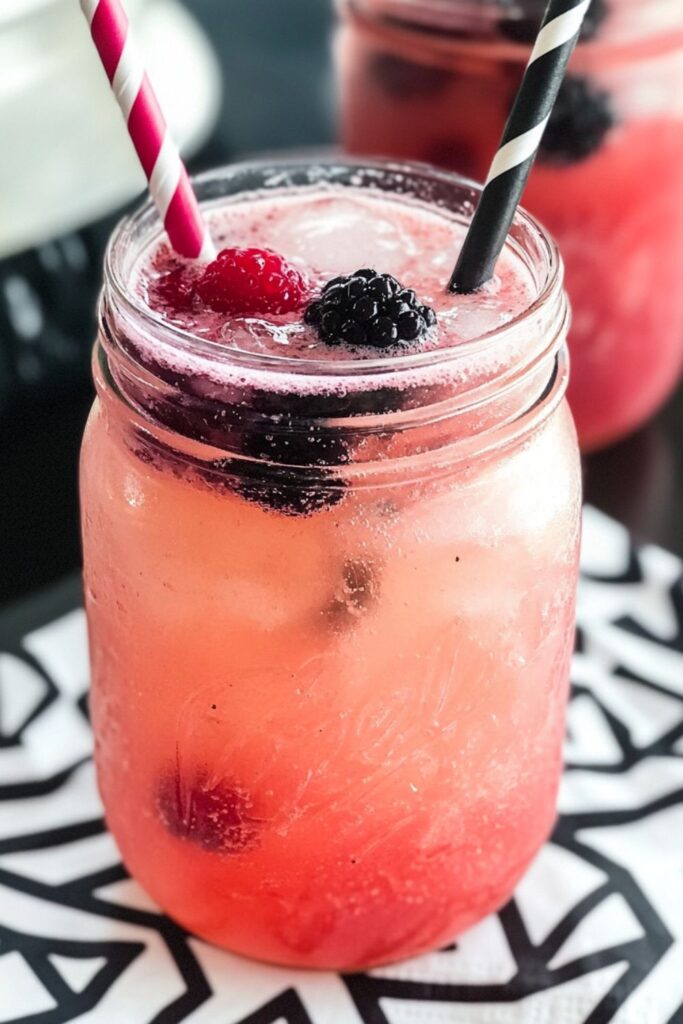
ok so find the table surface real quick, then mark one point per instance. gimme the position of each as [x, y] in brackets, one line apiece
[279, 56]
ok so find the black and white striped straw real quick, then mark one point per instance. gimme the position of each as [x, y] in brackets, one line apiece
[522, 136]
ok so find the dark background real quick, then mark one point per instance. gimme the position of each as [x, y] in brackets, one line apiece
[278, 93]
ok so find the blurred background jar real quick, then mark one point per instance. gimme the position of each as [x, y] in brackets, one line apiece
[433, 80]
[66, 170]
[67, 164]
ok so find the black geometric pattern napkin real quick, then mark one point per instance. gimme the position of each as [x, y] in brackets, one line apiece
[593, 935]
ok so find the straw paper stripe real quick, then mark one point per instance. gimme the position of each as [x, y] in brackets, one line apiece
[147, 127]
[128, 76]
[168, 180]
[523, 133]
[89, 7]
[166, 175]
[559, 31]
[517, 151]
[109, 28]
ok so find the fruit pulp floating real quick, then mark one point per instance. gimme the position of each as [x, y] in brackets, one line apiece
[330, 590]
[434, 81]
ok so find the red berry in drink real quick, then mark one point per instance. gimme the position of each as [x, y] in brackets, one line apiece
[251, 281]
[216, 815]
[173, 291]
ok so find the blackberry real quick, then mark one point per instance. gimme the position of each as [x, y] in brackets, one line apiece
[287, 492]
[524, 25]
[581, 119]
[367, 308]
[290, 439]
[291, 474]
[287, 441]
[596, 14]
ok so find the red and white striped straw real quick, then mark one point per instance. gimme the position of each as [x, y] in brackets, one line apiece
[168, 179]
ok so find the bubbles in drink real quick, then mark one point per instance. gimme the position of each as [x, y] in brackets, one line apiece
[326, 232]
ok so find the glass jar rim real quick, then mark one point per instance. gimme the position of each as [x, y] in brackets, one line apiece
[292, 173]
[627, 32]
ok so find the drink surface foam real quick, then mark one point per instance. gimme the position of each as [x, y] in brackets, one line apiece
[326, 231]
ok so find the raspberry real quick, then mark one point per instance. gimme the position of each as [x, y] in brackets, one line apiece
[367, 308]
[250, 281]
[214, 815]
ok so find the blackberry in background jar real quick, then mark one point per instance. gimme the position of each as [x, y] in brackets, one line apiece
[608, 182]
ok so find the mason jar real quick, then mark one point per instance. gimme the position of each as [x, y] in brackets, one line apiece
[328, 690]
[434, 80]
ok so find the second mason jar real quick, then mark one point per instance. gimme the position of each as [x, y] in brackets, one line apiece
[434, 80]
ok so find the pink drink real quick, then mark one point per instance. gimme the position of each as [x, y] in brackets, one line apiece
[330, 593]
[434, 80]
